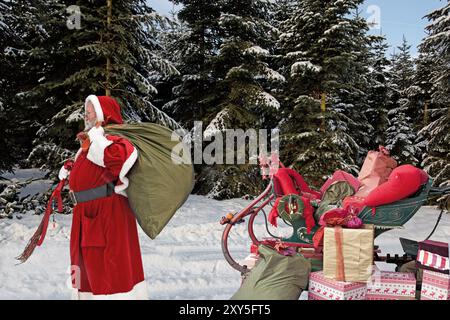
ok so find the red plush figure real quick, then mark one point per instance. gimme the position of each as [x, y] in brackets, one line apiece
[404, 181]
[104, 245]
[273, 215]
[353, 203]
[286, 176]
[284, 185]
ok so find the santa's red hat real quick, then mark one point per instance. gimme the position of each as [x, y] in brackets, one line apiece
[108, 111]
[106, 108]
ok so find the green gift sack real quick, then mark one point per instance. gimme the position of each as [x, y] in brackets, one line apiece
[275, 277]
[162, 177]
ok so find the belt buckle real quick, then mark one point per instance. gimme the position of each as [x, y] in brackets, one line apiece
[73, 198]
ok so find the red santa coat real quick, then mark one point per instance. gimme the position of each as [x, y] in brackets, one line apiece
[104, 245]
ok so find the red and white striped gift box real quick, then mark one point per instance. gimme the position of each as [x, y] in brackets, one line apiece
[433, 260]
[435, 286]
[387, 285]
[321, 288]
[433, 255]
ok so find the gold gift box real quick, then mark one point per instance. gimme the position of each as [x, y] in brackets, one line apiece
[357, 254]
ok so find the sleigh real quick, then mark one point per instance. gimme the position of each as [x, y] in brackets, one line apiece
[384, 218]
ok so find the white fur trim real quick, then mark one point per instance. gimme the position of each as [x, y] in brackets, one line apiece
[139, 292]
[127, 165]
[95, 132]
[97, 148]
[63, 173]
[97, 106]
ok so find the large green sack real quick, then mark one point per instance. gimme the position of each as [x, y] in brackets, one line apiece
[162, 177]
[275, 277]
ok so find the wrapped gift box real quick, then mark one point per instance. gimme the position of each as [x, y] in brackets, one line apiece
[435, 286]
[388, 285]
[433, 256]
[321, 288]
[348, 253]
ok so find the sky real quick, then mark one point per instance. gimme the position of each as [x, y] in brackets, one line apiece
[396, 17]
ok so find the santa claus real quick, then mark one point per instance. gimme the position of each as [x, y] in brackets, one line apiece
[104, 245]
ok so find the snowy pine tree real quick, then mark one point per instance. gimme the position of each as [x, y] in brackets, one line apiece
[17, 120]
[419, 99]
[350, 99]
[113, 53]
[170, 38]
[378, 98]
[282, 11]
[326, 50]
[304, 66]
[401, 136]
[193, 43]
[244, 100]
[436, 135]
[7, 38]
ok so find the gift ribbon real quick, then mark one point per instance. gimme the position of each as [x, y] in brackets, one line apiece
[340, 269]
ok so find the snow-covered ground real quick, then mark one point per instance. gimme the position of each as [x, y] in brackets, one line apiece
[184, 262]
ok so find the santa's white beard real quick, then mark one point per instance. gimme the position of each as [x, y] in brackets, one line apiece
[88, 125]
